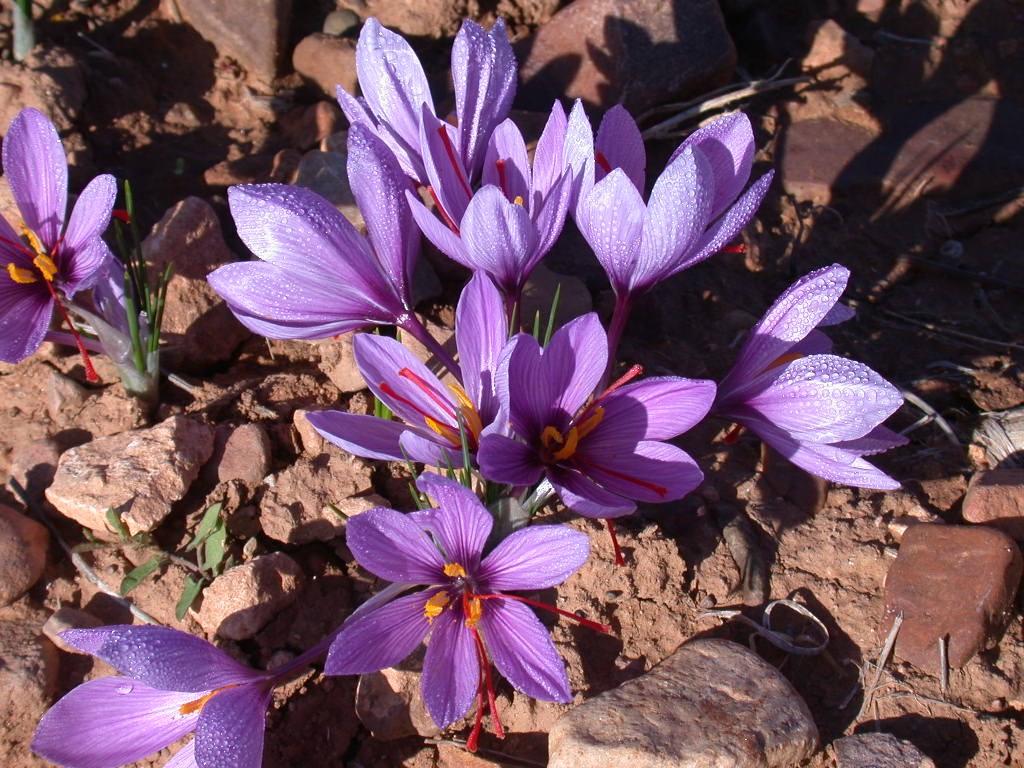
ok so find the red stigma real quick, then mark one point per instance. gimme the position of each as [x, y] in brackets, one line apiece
[733, 434]
[456, 165]
[619, 560]
[603, 161]
[122, 215]
[628, 376]
[444, 214]
[502, 180]
[430, 392]
[738, 248]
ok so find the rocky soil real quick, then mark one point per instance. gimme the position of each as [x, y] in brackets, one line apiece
[895, 131]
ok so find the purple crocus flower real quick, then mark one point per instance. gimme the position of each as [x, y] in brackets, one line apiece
[172, 684]
[695, 207]
[820, 411]
[464, 607]
[506, 227]
[396, 92]
[433, 416]
[601, 451]
[46, 259]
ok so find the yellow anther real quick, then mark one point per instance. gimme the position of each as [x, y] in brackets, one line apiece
[559, 446]
[590, 423]
[469, 414]
[45, 265]
[194, 706]
[32, 239]
[569, 448]
[433, 607]
[474, 607]
[454, 569]
[518, 200]
[445, 431]
[19, 274]
[786, 358]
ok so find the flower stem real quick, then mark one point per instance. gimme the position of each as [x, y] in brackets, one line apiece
[418, 331]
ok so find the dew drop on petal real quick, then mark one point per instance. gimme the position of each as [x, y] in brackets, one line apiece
[125, 689]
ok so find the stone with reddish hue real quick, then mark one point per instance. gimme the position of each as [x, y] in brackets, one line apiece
[243, 599]
[33, 465]
[390, 705]
[294, 508]
[639, 53]
[416, 18]
[28, 674]
[140, 474]
[816, 152]
[64, 618]
[950, 581]
[996, 498]
[338, 361]
[308, 126]
[253, 34]
[711, 703]
[311, 442]
[51, 80]
[23, 544]
[834, 50]
[878, 750]
[199, 327]
[102, 412]
[327, 61]
[244, 455]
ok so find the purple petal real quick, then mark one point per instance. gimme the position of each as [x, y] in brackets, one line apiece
[481, 331]
[184, 757]
[380, 638]
[450, 669]
[523, 652]
[579, 154]
[83, 254]
[611, 218]
[550, 213]
[657, 408]
[361, 435]
[161, 657]
[37, 172]
[390, 545]
[506, 164]
[620, 143]
[438, 233]
[728, 226]
[876, 441]
[549, 155]
[25, 312]
[462, 523]
[585, 497]
[447, 177]
[536, 557]
[649, 471]
[505, 460]
[111, 722]
[484, 76]
[425, 447]
[793, 315]
[500, 238]
[728, 145]
[229, 733]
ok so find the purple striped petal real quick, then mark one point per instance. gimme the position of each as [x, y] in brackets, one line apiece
[380, 638]
[505, 460]
[549, 155]
[656, 408]
[523, 652]
[465, 525]
[161, 657]
[536, 557]
[37, 172]
[728, 145]
[649, 471]
[500, 238]
[447, 177]
[25, 312]
[111, 722]
[579, 154]
[229, 733]
[506, 164]
[450, 669]
[438, 233]
[735, 219]
[83, 254]
[481, 331]
[390, 545]
[585, 497]
[361, 435]
[611, 219]
[620, 144]
[184, 757]
[876, 441]
[549, 215]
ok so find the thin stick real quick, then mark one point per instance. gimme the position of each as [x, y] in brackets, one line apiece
[883, 658]
[76, 559]
[950, 332]
[932, 415]
[943, 664]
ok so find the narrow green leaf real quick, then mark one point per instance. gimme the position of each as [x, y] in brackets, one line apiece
[552, 313]
[116, 523]
[135, 576]
[188, 596]
[213, 549]
[206, 526]
[337, 511]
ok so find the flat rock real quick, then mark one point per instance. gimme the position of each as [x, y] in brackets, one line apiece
[33, 465]
[200, 329]
[635, 52]
[996, 498]
[243, 455]
[51, 80]
[338, 361]
[950, 580]
[102, 412]
[253, 34]
[711, 704]
[327, 61]
[815, 157]
[416, 18]
[243, 599]
[390, 705]
[878, 750]
[23, 544]
[295, 510]
[65, 618]
[140, 474]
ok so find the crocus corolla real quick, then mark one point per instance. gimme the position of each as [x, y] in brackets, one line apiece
[507, 226]
[821, 411]
[396, 92]
[318, 276]
[434, 418]
[601, 451]
[464, 606]
[171, 684]
[46, 260]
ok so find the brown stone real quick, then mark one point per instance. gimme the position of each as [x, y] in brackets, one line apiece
[711, 703]
[833, 48]
[245, 455]
[635, 52]
[339, 363]
[23, 544]
[996, 498]
[950, 581]
[33, 465]
[306, 127]
[243, 599]
[815, 152]
[878, 750]
[416, 18]
[390, 705]
[327, 61]
[28, 674]
[140, 474]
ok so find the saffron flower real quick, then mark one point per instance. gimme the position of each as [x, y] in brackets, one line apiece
[395, 92]
[464, 607]
[822, 412]
[46, 259]
[601, 451]
[172, 684]
[434, 417]
[695, 207]
[507, 226]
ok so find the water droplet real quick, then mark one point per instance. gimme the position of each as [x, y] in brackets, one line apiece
[125, 689]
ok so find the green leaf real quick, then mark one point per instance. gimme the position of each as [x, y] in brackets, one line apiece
[206, 526]
[188, 596]
[213, 549]
[116, 523]
[135, 576]
[337, 511]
